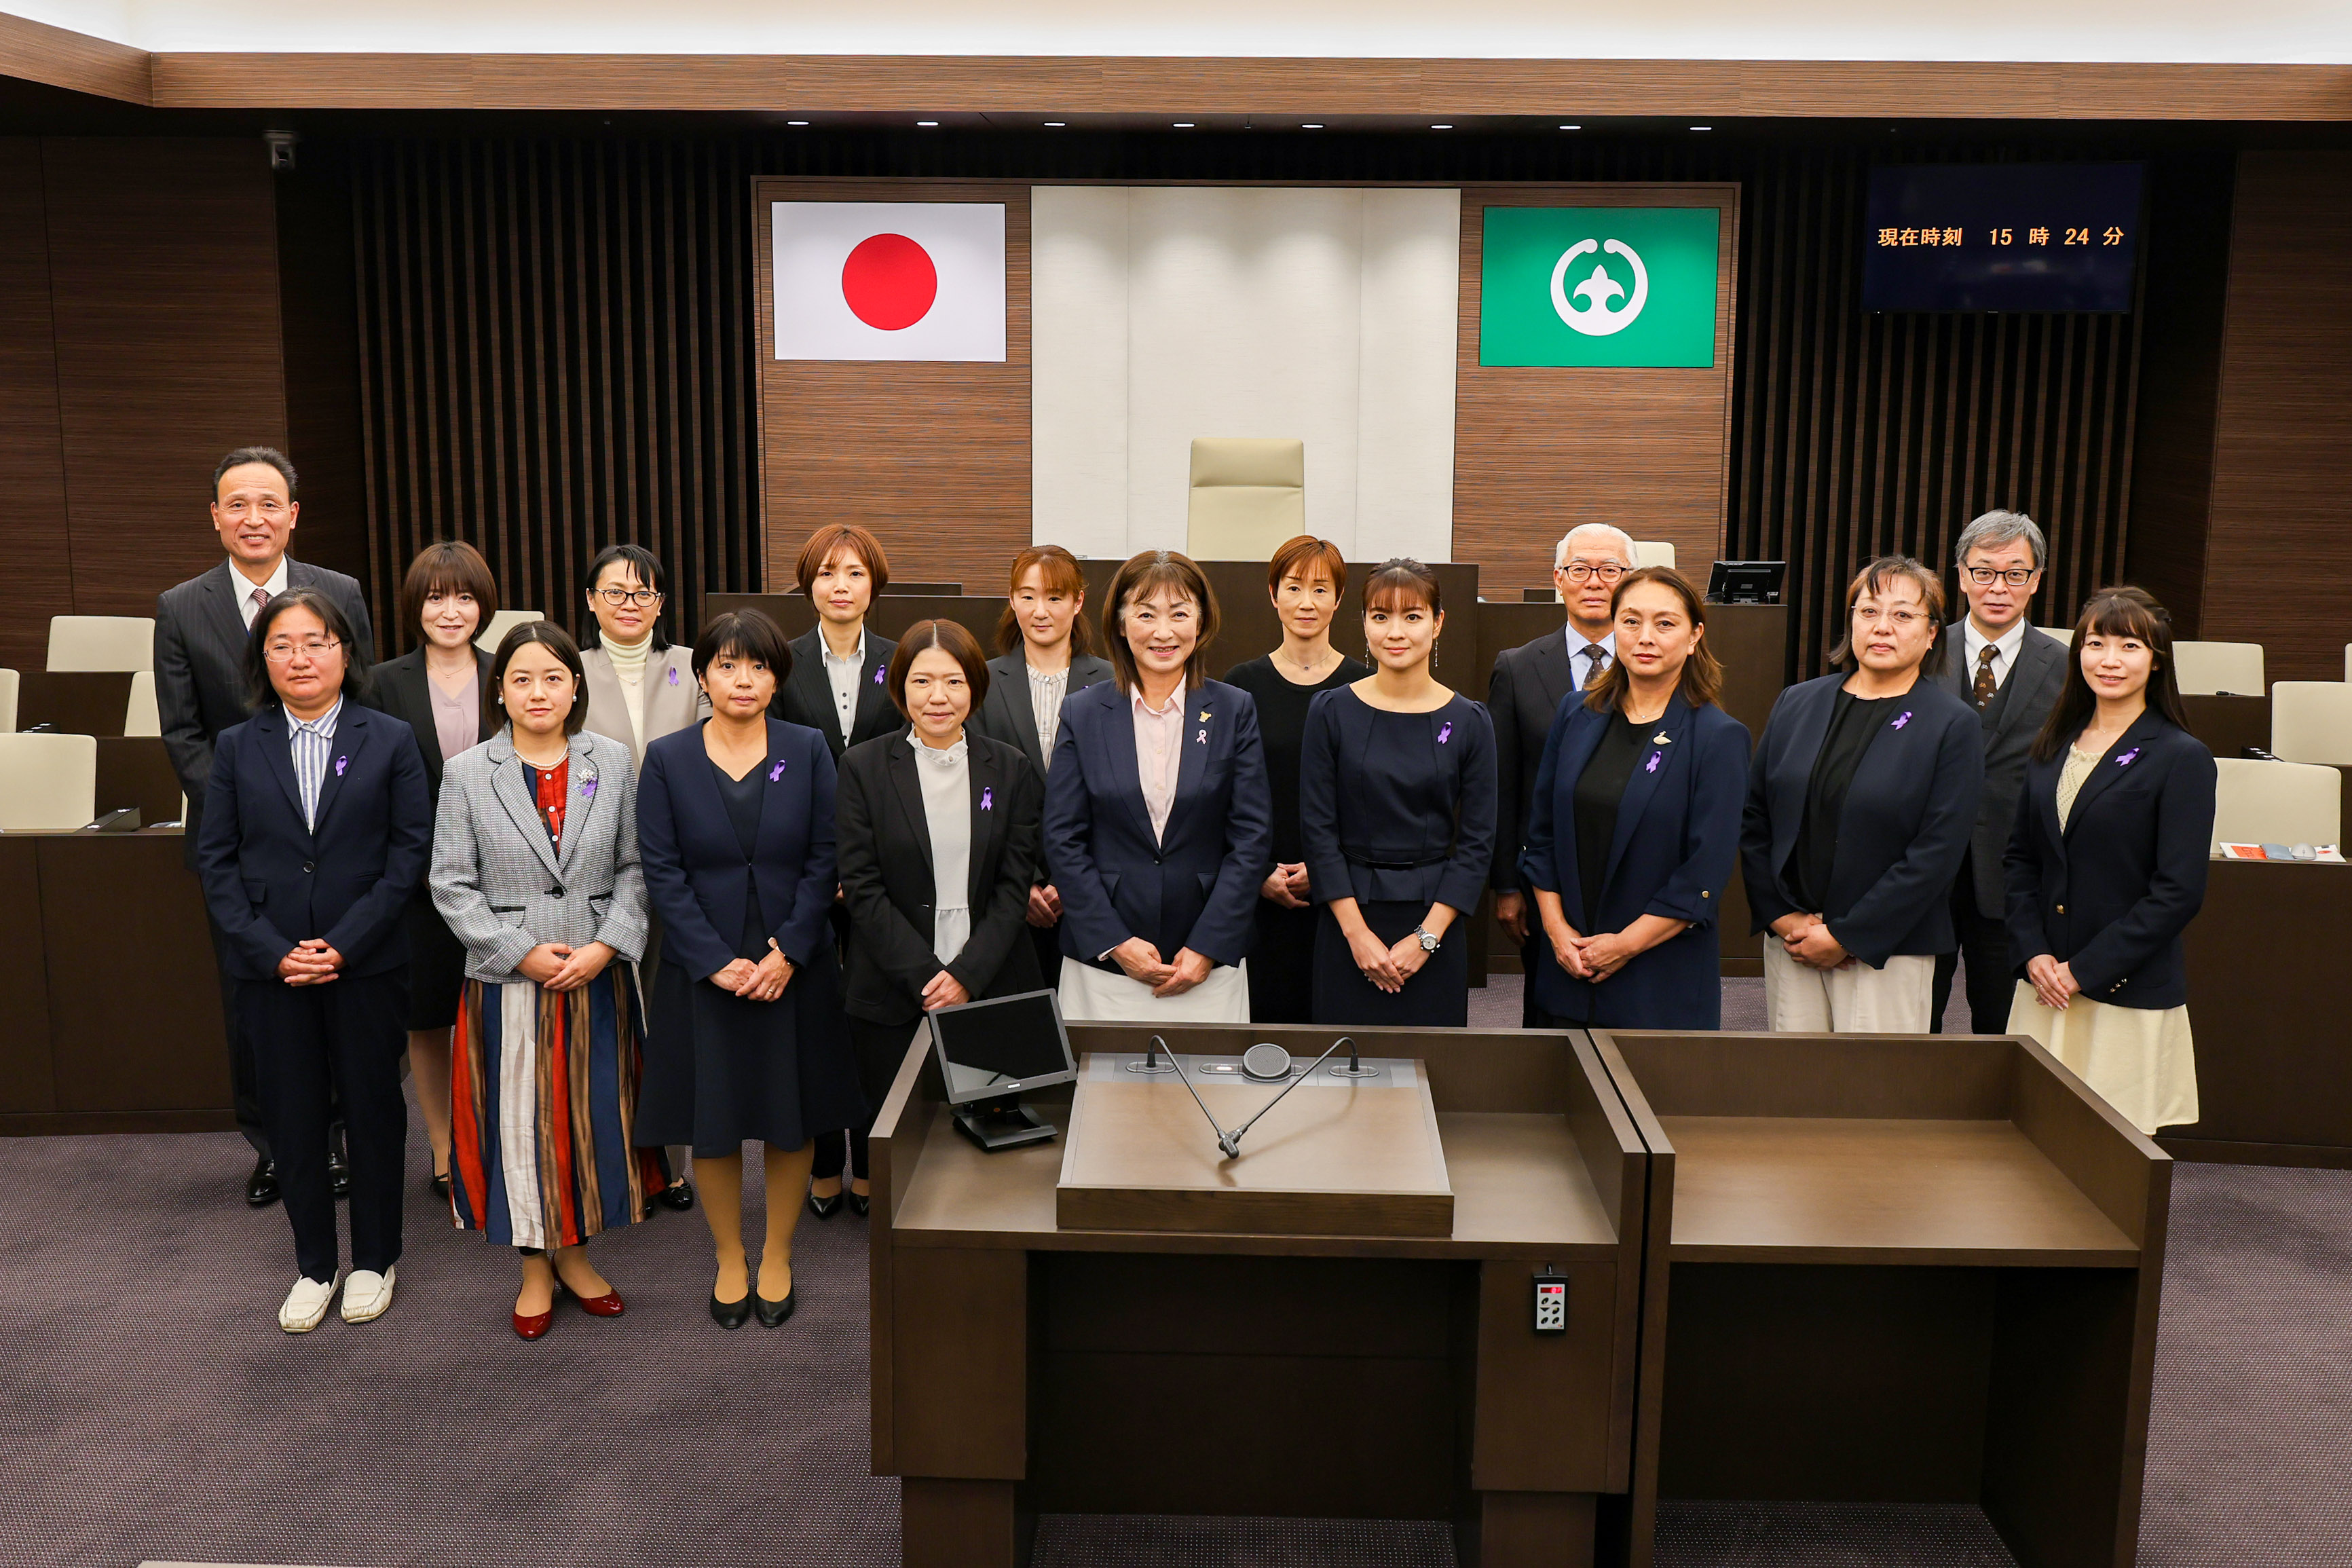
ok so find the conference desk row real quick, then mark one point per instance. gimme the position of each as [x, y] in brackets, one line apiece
[1877, 1268]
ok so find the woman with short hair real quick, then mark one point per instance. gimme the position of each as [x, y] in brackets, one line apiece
[535, 868]
[1157, 822]
[836, 685]
[2107, 866]
[1860, 799]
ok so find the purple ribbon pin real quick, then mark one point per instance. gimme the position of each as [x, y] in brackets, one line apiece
[340, 763]
[1903, 720]
[776, 773]
[588, 787]
[2123, 761]
[1655, 757]
[1445, 731]
[879, 676]
[673, 675]
[988, 798]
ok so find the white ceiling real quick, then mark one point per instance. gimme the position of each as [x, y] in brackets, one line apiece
[2245, 31]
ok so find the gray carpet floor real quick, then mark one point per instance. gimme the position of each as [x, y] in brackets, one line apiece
[150, 1409]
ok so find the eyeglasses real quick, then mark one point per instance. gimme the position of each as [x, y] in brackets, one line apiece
[2016, 576]
[284, 652]
[643, 598]
[1608, 572]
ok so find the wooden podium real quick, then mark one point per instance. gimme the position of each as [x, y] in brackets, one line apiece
[1123, 1321]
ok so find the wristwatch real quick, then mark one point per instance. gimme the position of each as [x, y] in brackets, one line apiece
[1428, 938]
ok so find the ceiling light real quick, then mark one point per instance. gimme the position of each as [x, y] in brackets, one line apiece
[1571, 128]
[796, 122]
[1702, 127]
[927, 124]
[1440, 128]
[1055, 124]
[1310, 128]
[1184, 125]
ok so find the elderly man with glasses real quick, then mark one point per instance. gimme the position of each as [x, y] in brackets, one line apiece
[2010, 674]
[1524, 693]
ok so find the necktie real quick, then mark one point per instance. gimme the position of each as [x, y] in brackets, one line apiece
[260, 596]
[1985, 688]
[1596, 659]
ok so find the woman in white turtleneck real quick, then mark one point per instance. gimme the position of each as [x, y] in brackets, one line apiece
[639, 687]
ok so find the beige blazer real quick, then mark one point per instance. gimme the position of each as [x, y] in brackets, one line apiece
[673, 700]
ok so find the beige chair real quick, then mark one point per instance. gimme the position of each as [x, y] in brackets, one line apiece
[2207, 668]
[143, 717]
[1248, 495]
[101, 642]
[48, 782]
[500, 624]
[2348, 661]
[2311, 722]
[2276, 802]
[1654, 552]
[2065, 635]
[7, 701]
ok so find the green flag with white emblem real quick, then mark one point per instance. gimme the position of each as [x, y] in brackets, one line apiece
[1597, 286]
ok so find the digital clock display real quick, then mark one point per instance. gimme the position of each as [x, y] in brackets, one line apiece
[2001, 236]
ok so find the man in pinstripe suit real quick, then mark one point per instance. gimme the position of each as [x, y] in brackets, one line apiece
[201, 631]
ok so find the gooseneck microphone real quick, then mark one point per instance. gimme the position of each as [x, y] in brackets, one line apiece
[1151, 1062]
[1355, 1067]
[1231, 1142]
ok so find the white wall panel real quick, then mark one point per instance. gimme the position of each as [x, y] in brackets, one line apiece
[1404, 454]
[1078, 369]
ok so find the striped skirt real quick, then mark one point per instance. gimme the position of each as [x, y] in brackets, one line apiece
[545, 1090]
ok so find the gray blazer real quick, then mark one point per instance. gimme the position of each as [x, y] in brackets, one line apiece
[674, 699]
[1006, 715]
[504, 890]
[2010, 720]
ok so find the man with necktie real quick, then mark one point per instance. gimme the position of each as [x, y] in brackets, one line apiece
[1524, 693]
[202, 628]
[2010, 674]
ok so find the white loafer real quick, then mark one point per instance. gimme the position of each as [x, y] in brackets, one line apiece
[367, 1293]
[306, 1304]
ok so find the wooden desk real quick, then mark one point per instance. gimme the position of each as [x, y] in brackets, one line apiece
[1897, 1268]
[1021, 1366]
[76, 702]
[2228, 725]
[135, 770]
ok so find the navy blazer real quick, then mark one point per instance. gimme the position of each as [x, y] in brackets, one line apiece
[1909, 815]
[2111, 894]
[1196, 888]
[696, 877]
[271, 882]
[1677, 839]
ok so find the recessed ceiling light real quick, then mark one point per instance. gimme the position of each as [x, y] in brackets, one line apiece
[927, 124]
[1310, 128]
[1702, 127]
[1055, 124]
[1184, 125]
[1440, 128]
[796, 122]
[1571, 128]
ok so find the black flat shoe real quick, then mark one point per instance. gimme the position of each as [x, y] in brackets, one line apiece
[338, 1170]
[860, 1203]
[735, 1314]
[261, 1188]
[823, 1208]
[774, 1312]
[439, 1187]
[678, 1195]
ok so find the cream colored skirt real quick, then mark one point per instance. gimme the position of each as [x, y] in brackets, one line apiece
[2141, 1060]
[1091, 996]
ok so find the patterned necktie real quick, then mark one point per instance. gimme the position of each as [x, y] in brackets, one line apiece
[260, 597]
[1985, 687]
[1596, 659]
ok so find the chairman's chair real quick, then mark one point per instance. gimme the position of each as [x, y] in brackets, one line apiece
[143, 717]
[1247, 496]
[48, 782]
[2276, 802]
[2311, 722]
[1654, 552]
[500, 624]
[2211, 668]
[101, 642]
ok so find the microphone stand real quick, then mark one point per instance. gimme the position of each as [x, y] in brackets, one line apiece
[1151, 1063]
[1355, 1067]
[1231, 1142]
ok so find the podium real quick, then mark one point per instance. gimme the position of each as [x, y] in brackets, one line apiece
[1123, 1321]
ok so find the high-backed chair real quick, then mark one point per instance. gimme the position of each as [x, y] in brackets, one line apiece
[2348, 661]
[2276, 802]
[2311, 722]
[2065, 635]
[1248, 495]
[500, 624]
[101, 642]
[1654, 552]
[7, 701]
[2207, 669]
[48, 782]
[143, 717]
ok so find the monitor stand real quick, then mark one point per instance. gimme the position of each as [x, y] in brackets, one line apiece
[1001, 1123]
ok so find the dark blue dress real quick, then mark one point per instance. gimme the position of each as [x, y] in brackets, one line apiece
[1397, 811]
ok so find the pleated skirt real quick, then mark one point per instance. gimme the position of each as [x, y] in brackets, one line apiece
[2140, 1061]
[543, 1093]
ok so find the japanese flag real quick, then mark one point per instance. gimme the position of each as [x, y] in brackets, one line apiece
[873, 280]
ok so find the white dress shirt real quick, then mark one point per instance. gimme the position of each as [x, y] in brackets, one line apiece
[842, 674]
[946, 777]
[245, 606]
[1581, 667]
[1046, 689]
[2004, 657]
[1158, 755]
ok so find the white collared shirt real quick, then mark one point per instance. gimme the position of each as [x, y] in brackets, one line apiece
[311, 742]
[1159, 753]
[1046, 689]
[1580, 666]
[245, 606]
[842, 674]
[2004, 657]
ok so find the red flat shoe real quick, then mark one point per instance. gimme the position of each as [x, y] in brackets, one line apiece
[535, 1326]
[607, 1305]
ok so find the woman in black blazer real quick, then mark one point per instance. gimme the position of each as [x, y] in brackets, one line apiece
[1860, 803]
[436, 688]
[315, 836]
[835, 684]
[939, 853]
[2107, 866]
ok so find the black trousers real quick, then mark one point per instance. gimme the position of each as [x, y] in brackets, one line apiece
[880, 1047]
[244, 1090]
[312, 1045]
[1984, 942]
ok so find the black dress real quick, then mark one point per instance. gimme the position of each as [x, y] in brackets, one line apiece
[1284, 949]
[721, 1070]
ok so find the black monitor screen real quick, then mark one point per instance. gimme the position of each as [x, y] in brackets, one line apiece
[1001, 1047]
[2001, 236]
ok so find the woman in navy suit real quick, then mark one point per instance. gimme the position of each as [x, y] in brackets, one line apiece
[1860, 804]
[316, 832]
[2107, 866]
[746, 1041]
[1633, 827]
[1158, 822]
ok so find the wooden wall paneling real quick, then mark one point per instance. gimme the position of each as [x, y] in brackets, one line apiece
[34, 51]
[164, 264]
[319, 306]
[933, 456]
[2282, 450]
[1539, 450]
[32, 453]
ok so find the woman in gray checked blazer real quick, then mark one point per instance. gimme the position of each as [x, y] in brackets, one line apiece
[535, 868]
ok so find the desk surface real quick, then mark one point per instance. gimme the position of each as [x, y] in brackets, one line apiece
[1855, 1190]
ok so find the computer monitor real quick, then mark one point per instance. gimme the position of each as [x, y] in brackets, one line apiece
[1746, 582]
[991, 1053]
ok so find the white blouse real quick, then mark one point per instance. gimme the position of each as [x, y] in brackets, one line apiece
[946, 778]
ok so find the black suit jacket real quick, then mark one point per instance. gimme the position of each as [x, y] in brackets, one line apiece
[2110, 894]
[2009, 722]
[889, 881]
[1522, 696]
[399, 687]
[271, 881]
[1006, 715]
[806, 697]
[200, 690]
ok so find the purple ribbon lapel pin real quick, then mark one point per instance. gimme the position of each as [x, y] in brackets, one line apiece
[588, 787]
[1904, 718]
[880, 674]
[2123, 761]
[988, 798]
[1655, 758]
[673, 675]
[777, 773]
[1445, 731]
[340, 763]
